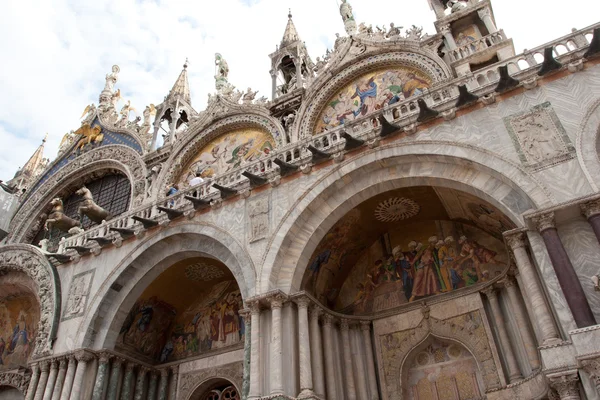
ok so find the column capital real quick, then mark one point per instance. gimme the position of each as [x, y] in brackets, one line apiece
[63, 363]
[508, 281]
[365, 325]
[302, 301]
[164, 372]
[328, 319]
[544, 221]
[104, 357]
[591, 208]
[118, 360]
[277, 301]
[245, 313]
[484, 12]
[344, 324]
[84, 356]
[254, 307]
[45, 365]
[592, 367]
[315, 312]
[490, 292]
[71, 358]
[142, 370]
[566, 385]
[175, 369]
[54, 363]
[129, 366]
[515, 240]
[445, 29]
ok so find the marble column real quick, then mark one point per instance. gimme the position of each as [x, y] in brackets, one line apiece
[348, 370]
[532, 290]
[83, 358]
[316, 352]
[115, 375]
[306, 381]
[41, 386]
[33, 382]
[174, 382]
[591, 211]
[139, 383]
[103, 360]
[51, 380]
[276, 367]
[152, 385]
[126, 389]
[65, 394]
[566, 385]
[329, 357]
[516, 306]
[163, 384]
[486, 16]
[567, 277]
[447, 32]
[507, 349]
[60, 379]
[255, 351]
[365, 327]
[246, 315]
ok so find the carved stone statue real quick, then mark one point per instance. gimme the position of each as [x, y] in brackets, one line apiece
[126, 109]
[58, 219]
[249, 96]
[89, 135]
[394, 31]
[414, 33]
[88, 207]
[348, 17]
[222, 72]
[111, 79]
[456, 5]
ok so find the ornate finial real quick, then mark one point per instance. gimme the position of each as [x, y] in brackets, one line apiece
[290, 14]
[45, 138]
[185, 65]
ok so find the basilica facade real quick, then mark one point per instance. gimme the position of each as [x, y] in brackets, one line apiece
[410, 216]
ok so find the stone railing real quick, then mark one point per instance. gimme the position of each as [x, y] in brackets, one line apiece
[403, 115]
[475, 46]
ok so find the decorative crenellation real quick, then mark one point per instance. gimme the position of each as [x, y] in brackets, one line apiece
[544, 221]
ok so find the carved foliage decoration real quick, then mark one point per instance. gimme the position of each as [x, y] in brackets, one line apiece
[18, 381]
[539, 137]
[117, 157]
[29, 260]
[189, 382]
[468, 329]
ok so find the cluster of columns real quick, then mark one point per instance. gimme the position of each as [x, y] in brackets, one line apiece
[317, 356]
[63, 378]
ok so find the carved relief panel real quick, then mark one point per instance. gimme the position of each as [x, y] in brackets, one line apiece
[258, 218]
[79, 293]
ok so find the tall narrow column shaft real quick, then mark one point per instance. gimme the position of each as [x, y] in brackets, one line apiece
[348, 369]
[365, 327]
[276, 357]
[60, 379]
[316, 353]
[103, 360]
[306, 381]
[128, 382]
[255, 352]
[246, 315]
[163, 384]
[33, 382]
[329, 357]
[174, 382]
[65, 394]
[152, 385]
[507, 349]
[115, 375]
[486, 16]
[139, 383]
[83, 358]
[39, 391]
[51, 380]
[567, 277]
[532, 290]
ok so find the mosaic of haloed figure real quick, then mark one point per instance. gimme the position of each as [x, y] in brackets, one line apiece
[369, 93]
[19, 316]
[407, 245]
[191, 308]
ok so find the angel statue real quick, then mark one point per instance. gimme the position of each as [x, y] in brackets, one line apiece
[88, 113]
[222, 72]
[126, 109]
[148, 112]
[348, 17]
[111, 78]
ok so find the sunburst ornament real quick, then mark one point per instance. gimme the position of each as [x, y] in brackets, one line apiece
[396, 209]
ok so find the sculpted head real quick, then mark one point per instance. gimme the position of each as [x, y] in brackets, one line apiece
[56, 202]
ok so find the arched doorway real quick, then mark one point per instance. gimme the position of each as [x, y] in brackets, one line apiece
[216, 389]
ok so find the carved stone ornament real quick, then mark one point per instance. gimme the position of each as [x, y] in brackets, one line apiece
[566, 385]
[592, 367]
[15, 380]
[591, 208]
[258, 216]
[467, 329]
[544, 221]
[79, 293]
[190, 382]
[29, 260]
[516, 240]
[118, 157]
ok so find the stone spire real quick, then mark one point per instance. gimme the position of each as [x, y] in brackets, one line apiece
[290, 35]
[181, 88]
[32, 168]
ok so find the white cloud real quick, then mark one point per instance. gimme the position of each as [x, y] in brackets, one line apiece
[56, 53]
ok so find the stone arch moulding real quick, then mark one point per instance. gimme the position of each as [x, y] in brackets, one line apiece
[588, 145]
[432, 163]
[241, 116]
[192, 381]
[117, 157]
[146, 262]
[455, 329]
[418, 58]
[29, 260]
[15, 380]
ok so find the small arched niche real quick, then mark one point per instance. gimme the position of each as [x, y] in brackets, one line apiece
[216, 389]
[444, 370]
[189, 310]
[19, 318]
[406, 245]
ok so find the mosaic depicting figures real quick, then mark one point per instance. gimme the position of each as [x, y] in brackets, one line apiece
[163, 333]
[228, 152]
[369, 93]
[19, 315]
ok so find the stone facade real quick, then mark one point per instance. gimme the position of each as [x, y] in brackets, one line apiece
[259, 281]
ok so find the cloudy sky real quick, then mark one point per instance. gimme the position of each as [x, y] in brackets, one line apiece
[57, 52]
